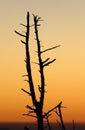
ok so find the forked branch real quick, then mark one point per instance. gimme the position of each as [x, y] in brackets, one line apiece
[49, 62]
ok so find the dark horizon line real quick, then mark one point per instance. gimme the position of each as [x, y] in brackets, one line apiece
[27, 122]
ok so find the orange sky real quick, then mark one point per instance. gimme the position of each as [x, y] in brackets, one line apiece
[64, 24]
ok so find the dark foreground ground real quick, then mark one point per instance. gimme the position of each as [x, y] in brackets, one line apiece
[32, 126]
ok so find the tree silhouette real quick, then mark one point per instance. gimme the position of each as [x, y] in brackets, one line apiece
[36, 110]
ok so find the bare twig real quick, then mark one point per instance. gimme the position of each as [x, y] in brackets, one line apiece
[26, 80]
[50, 48]
[20, 34]
[49, 62]
[30, 108]
[23, 42]
[23, 25]
[26, 91]
[29, 115]
[46, 60]
[24, 75]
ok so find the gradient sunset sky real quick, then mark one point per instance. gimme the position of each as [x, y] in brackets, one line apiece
[64, 24]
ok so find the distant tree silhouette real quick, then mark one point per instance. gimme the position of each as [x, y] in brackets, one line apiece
[36, 110]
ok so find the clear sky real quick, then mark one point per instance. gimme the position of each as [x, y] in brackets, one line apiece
[64, 24]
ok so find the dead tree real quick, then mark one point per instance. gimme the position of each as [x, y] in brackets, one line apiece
[36, 110]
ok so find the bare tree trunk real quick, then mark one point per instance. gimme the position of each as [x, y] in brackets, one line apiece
[40, 121]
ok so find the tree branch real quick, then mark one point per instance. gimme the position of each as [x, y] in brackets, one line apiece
[28, 64]
[46, 60]
[50, 48]
[59, 113]
[35, 63]
[31, 111]
[26, 80]
[36, 20]
[29, 115]
[49, 63]
[23, 42]
[23, 25]
[24, 75]
[26, 91]
[20, 34]
[30, 108]
[51, 110]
